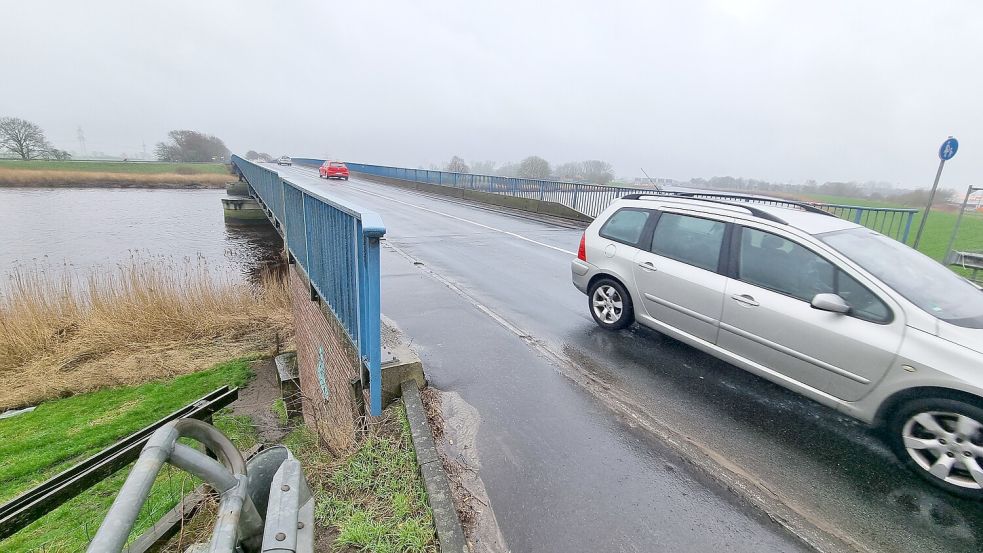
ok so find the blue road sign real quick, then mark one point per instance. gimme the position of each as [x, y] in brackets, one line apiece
[948, 149]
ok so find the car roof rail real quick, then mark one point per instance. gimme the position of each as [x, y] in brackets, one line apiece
[760, 213]
[778, 202]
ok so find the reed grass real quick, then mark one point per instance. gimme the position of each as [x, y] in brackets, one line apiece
[46, 178]
[62, 333]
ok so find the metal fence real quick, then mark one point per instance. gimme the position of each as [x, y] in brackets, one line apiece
[592, 199]
[336, 245]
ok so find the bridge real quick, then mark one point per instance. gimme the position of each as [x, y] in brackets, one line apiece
[582, 439]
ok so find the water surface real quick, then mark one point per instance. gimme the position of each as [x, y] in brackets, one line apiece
[87, 229]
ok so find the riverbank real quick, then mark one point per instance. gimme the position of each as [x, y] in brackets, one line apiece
[112, 174]
[30, 178]
[65, 334]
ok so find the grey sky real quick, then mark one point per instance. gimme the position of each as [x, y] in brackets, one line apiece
[834, 90]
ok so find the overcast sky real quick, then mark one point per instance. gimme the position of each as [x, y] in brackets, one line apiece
[783, 91]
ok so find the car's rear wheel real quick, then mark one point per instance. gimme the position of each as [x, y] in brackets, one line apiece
[346, 178]
[942, 440]
[610, 304]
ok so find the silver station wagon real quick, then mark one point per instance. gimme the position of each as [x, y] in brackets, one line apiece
[832, 310]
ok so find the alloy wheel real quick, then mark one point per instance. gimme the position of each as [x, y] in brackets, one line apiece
[608, 304]
[947, 445]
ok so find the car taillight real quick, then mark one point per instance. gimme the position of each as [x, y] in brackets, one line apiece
[582, 250]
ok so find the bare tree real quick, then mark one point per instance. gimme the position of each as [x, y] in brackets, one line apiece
[22, 138]
[598, 171]
[571, 170]
[56, 154]
[190, 146]
[534, 167]
[457, 165]
[484, 167]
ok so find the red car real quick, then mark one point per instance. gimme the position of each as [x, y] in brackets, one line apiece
[334, 170]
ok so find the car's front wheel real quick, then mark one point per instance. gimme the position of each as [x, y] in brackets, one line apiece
[942, 440]
[610, 304]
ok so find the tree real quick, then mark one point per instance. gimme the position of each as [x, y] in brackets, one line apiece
[534, 167]
[190, 146]
[263, 156]
[483, 167]
[508, 169]
[598, 171]
[457, 165]
[252, 155]
[22, 138]
[571, 170]
[60, 155]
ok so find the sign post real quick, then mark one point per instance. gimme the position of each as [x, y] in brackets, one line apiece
[946, 152]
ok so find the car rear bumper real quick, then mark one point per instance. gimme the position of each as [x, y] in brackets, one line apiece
[581, 273]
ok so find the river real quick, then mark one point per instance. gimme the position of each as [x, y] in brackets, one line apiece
[86, 229]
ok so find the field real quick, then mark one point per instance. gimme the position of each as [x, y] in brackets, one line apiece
[37, 445]
[113, 174]
[138, 167]
[938, 229]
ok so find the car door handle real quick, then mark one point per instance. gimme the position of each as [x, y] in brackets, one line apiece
[647, 266]
[745, 299]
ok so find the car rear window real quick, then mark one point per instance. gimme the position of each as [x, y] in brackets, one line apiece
[625, 226]
[337, 164]
[691, 240]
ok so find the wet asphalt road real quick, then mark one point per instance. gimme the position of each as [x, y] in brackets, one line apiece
[566, 472]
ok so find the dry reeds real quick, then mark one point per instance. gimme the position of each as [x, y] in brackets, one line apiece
[62, 334]
[44, 177]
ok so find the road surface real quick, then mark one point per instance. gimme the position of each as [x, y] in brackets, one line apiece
[574, 420]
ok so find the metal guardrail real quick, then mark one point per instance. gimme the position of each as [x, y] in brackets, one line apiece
[592, 199]
[889, 221]
[266, 505]
[44, 498]
[589, 199]
[336, 245]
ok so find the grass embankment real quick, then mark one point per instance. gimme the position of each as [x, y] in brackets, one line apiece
[938, 229]
[373, 499]
[144, 321]
[370, 498]
[37, 445]
[120, 174]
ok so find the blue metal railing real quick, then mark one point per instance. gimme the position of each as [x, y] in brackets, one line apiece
[336, 245]
[592, 199]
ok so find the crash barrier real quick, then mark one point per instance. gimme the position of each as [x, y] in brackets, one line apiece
[44, 498]
[335, 244]
[265, 505]
[592, 199]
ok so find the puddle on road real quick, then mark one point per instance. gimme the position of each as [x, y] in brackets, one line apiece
[460, 455]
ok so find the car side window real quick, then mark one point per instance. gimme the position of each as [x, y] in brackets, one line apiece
[626, 226]
[691, 240]
[770, 261]
[863, 303]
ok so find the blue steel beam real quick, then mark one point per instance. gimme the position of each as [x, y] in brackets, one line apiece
[336, 245]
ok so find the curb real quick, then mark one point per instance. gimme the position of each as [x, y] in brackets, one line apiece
[450, 535]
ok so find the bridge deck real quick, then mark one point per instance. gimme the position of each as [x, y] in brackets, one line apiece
[575, 468]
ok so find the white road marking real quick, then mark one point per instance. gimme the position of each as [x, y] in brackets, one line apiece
[475, 223]
[462, 219]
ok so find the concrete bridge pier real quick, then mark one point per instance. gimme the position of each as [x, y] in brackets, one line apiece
[243, 211]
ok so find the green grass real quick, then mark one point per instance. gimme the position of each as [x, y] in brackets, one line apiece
[35, 446]
[938, 229]
[145, 167]
[374, 499]
[279, 409]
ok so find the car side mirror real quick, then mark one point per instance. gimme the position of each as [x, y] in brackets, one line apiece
[830, 302]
